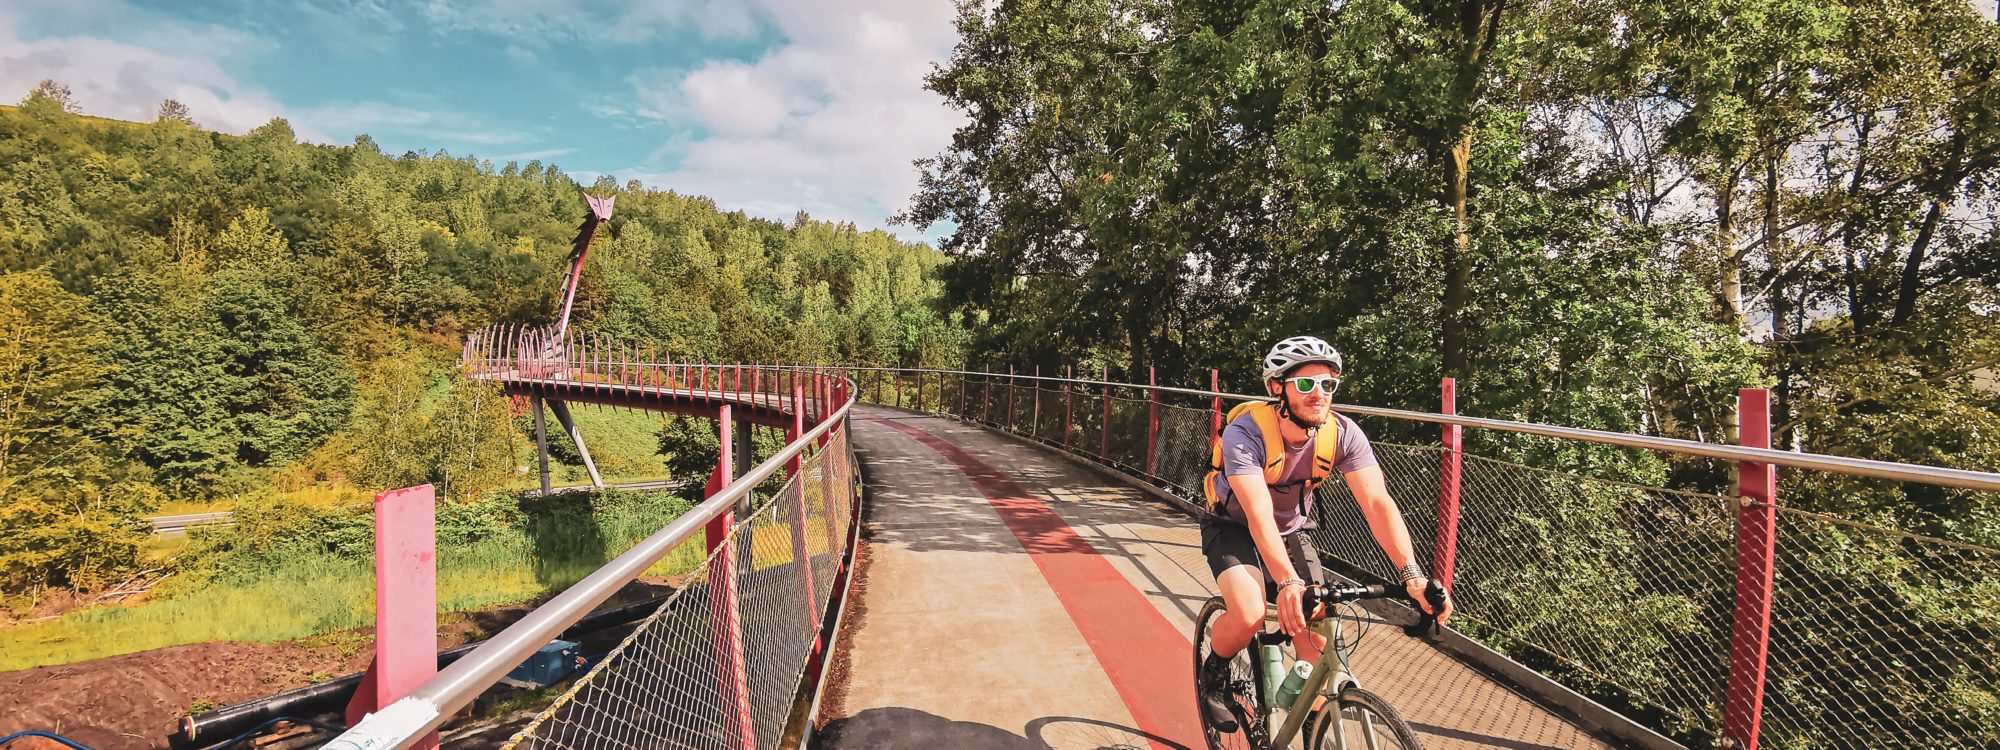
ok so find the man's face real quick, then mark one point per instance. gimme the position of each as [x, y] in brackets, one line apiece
[1312, 408]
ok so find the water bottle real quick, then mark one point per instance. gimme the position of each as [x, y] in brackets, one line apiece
[1294, 682]
[1274, 667]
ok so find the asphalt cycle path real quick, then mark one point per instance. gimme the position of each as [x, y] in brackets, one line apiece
[1016, 599]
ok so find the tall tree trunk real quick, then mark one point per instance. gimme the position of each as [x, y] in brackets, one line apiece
[1478, 27]
[1910, 286]
[1458, 261]
[1862, 319]
[1781, 303]
[1731, 292]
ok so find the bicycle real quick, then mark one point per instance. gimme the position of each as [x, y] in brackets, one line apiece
[1351, 712]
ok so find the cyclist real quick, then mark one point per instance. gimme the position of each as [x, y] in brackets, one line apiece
[1251, 537]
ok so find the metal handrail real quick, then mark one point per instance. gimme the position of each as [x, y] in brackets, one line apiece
[1937, 475]
[409, 718]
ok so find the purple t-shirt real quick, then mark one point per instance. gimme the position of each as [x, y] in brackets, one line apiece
[1243, 454]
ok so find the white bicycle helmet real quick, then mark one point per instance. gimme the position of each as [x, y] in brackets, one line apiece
[1299, 350]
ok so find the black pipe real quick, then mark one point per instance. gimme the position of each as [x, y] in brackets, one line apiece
[333, 695]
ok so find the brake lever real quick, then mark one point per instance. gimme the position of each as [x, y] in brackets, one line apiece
[1426, 626]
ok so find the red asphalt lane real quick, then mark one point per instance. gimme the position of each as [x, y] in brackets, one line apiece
[1146, 657]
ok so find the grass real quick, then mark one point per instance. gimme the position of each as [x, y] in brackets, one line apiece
[306, 595]
[625, 445]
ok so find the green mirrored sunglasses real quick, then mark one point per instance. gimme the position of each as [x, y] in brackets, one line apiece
[1306, 385]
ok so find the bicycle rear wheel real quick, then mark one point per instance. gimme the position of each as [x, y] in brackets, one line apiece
[1245, 690]
[1361, 720]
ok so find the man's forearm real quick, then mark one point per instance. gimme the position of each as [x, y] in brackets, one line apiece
[1385, 521]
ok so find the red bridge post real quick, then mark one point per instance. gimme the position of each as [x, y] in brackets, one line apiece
[793, 469]
[1152, 419]
[1069, 402]
[1756, 557]
[1035, 422]
[1010, 399]
[1448, 472]
[723, 608]
[1214, 413]
[1104, 435]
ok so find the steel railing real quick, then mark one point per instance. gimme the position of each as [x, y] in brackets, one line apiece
[1718, 617]
[729, 586]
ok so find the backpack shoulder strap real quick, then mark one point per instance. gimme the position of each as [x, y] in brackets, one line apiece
[1326, 448]
[1266, 417]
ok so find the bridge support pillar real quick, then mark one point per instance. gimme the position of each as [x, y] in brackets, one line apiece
[541, 442]
[801, 552]
[1152, 421]
[1444, 559]
[725, 615]
[576, 438]
[1756, 558]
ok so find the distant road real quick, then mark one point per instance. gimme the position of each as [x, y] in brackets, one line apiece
[172, 526]
[178, 525]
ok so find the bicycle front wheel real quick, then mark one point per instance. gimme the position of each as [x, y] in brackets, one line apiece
[1245, 691]
[1361, 720]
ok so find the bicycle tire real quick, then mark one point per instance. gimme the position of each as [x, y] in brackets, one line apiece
[1384, 719]
[1253, 720]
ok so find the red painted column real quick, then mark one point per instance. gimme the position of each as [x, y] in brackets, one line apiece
[1010, 398]
[723, 608]
[405, 602]
[1069, 402]
[1152, 420]
[1035, 422]
[1446, 556]
[798, 484]
[1214, 412]
[1756, 557]
[1104, 436]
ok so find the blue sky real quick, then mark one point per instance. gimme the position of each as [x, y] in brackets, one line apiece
[769, 106]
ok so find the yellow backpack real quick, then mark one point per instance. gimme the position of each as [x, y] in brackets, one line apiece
[1326, 443]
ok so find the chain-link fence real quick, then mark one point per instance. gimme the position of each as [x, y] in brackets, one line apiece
[718, 665]
[1622, 591]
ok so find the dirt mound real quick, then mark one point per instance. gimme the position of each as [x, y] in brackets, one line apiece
[134, 700]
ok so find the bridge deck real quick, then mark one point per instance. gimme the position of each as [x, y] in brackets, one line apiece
[1017, 600]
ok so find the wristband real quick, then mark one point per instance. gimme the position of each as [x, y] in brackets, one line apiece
[1412, 572]
[1290, 582]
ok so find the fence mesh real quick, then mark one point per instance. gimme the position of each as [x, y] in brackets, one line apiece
[1622, 591]
[1881, 638]
[675, 682]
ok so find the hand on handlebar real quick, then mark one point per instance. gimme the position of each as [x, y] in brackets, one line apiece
[1291, 609]
[1435, 602]
[1430, 597]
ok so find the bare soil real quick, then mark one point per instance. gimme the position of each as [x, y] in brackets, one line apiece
[133, 701]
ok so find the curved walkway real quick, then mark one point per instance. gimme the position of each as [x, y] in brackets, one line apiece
[1018, 600]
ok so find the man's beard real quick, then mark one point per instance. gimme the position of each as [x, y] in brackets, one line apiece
[1299, 416]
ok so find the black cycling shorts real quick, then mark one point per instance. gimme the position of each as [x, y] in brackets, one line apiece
[1227, 544]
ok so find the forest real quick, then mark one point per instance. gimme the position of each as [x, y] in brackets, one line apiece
[1593, 213]
[188, 316]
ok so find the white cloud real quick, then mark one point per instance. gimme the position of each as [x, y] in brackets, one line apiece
[128, 81]
[167, 59]
[436, 127]
[828, 122]
[542, 22]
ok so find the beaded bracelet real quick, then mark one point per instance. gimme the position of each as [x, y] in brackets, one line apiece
[1412, 572]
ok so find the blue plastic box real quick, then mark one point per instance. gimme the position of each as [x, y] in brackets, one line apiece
[546, 667]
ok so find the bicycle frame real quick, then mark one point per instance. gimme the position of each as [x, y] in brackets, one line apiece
[1331, 668]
